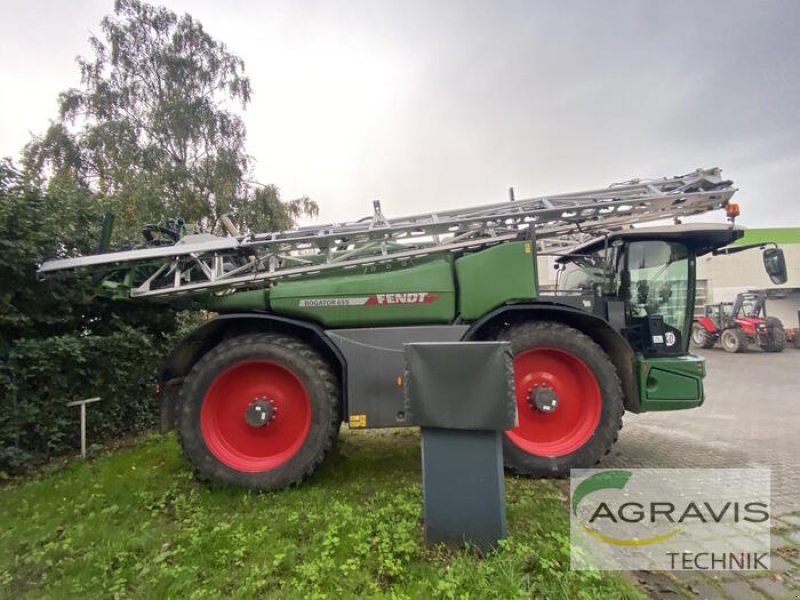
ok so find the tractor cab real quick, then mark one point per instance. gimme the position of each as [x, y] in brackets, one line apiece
[642, 281]
[719, 314]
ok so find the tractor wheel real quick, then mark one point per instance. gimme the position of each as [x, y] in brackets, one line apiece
[702, 337]
[733, 340]
[569, 400]
[258, 411]
[777, 340]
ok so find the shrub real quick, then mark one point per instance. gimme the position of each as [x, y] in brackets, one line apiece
[57, 342]
[39, 376]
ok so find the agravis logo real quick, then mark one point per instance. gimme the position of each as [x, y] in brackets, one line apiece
[680, 514]
[611, 480]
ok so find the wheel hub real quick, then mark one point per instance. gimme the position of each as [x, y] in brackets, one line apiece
[543, 398]
[260, 412]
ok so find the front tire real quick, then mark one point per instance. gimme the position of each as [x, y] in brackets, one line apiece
[733, 340]
[258, 411]
[777, 341]
[702, 337]
[552, 360]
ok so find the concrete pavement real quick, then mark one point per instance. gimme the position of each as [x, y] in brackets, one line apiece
[751, 418]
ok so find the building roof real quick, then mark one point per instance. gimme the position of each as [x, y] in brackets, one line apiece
[779, 235]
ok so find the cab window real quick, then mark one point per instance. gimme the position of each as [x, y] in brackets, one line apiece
[657, 283]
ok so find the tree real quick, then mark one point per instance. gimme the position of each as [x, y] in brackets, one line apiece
[149, 137]
[265, 211]
[149, 130]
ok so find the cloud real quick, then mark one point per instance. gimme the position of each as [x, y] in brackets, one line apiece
[437, 104]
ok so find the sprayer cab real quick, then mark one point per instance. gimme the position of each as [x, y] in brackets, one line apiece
[643, 280]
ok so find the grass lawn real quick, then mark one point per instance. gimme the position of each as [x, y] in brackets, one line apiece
[134, 523]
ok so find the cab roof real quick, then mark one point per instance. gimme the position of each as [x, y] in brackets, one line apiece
[701, 237]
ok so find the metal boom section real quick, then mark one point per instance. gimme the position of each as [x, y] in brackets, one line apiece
[204, 263]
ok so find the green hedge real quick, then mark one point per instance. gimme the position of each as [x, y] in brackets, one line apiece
[38, 377]
[59, 343]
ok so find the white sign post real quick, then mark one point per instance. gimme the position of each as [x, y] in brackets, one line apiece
[82, 404]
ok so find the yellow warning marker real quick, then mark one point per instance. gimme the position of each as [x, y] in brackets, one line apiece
[358, 421]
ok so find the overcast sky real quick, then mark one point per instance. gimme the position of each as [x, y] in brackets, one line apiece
[437, 104]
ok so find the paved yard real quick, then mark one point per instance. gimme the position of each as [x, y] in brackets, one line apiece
[751, 418]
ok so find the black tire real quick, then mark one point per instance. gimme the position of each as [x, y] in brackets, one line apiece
[777, 341]
[288, 354]
[702, 337]
[549, 335]
[733, 340]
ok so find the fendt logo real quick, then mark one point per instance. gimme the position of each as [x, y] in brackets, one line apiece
[374, 300]
[400, 298]
[670, 511]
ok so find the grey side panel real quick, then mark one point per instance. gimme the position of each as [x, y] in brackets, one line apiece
[464, 491]
[375, 359]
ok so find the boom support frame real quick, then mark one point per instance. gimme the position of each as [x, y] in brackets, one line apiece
[203, 263]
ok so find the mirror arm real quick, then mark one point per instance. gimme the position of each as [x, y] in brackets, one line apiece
[735, 249]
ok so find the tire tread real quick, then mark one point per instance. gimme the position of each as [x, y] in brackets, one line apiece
[213, 472]
[612, 394]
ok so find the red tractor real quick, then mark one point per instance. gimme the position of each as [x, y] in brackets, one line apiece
[737, 325]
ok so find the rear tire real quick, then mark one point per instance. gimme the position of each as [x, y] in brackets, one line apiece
[733, 340]
[702, 337]
[777, 342]
[588, 415]
[271, 374]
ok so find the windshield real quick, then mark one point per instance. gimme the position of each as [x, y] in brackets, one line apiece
[658, 284]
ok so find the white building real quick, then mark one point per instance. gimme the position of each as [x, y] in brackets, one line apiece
[720, 278]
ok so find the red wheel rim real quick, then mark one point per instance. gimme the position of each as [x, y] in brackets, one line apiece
[222, 416]
[577, 414]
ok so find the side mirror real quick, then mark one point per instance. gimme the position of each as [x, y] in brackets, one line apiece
[775, 265]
